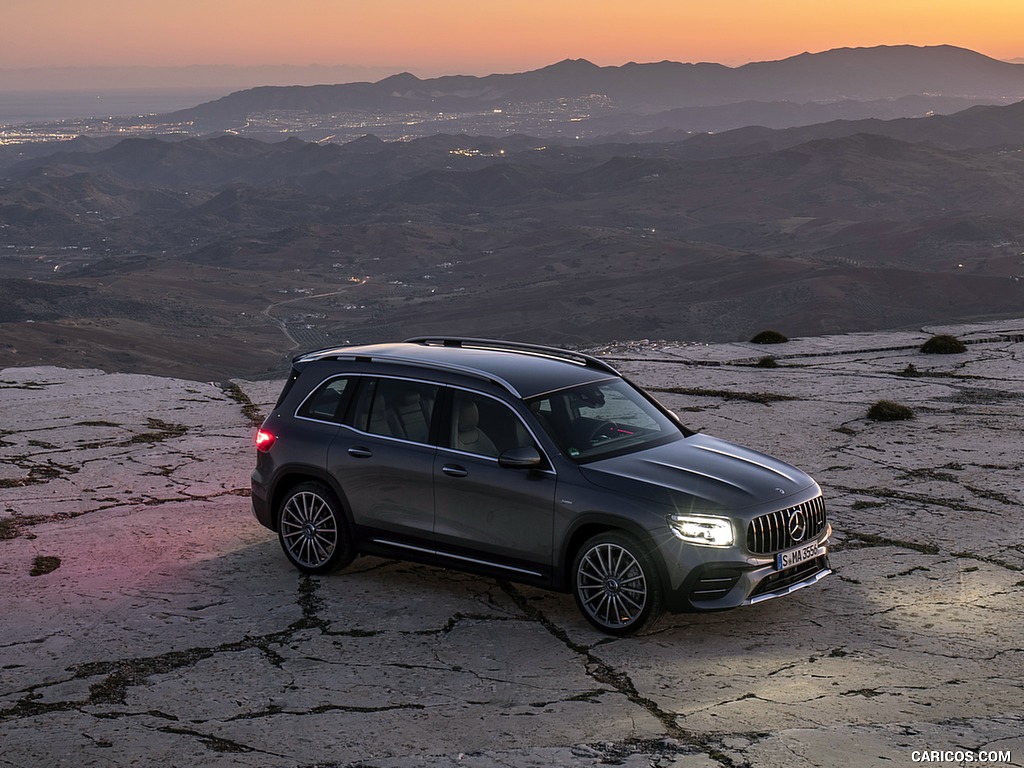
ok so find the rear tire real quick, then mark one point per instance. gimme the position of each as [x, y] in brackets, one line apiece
[615, 584]
[312, 529]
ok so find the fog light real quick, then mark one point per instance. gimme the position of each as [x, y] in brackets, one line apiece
[697, 529]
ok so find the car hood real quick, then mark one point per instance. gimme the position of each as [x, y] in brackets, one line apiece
[703, 473]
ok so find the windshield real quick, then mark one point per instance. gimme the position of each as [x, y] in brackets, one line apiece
[594, 420]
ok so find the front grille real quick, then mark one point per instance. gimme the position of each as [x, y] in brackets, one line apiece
[714, 583]
[772, 532]
[787, 578]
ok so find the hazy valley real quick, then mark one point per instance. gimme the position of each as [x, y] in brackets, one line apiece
[221, 254]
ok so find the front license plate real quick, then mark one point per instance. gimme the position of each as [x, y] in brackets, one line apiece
[795, 556]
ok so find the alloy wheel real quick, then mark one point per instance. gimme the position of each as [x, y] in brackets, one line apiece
[309, 530]
[611, 586]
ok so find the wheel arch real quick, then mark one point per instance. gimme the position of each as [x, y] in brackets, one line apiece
[588, 526]
[291, 475]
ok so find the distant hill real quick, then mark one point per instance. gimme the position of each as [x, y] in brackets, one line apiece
[977, 127]
[773, 114]
[884, 72]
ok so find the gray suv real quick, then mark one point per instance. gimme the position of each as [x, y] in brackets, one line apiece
[532, 464]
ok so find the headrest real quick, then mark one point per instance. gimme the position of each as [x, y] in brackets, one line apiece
[408, 399]
[469, 416]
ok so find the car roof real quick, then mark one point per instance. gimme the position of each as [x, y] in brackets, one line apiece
[526, 370]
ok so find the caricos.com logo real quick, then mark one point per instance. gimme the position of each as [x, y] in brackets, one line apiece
[960, 756]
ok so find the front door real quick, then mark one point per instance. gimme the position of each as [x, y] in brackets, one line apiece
[486, 515]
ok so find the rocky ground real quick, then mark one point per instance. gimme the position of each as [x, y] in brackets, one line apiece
[147, 619]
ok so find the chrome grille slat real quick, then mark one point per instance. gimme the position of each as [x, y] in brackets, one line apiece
[769, 533]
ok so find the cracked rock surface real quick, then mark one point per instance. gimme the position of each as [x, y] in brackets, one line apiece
[164, 627]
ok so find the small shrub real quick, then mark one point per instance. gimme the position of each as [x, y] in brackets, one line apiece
[887, 410]
[9, 528]
[43, 565]
[910, 371]
[859, 504]
[769, 337]
[767, 362]
[943, 344]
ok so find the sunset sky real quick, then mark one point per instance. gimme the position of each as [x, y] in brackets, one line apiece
[458, 36]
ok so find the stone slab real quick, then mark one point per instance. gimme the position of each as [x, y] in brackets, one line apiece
[173, 632]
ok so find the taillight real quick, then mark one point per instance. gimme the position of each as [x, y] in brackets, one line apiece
[264, 440]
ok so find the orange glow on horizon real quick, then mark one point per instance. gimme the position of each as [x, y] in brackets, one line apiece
[458, 36]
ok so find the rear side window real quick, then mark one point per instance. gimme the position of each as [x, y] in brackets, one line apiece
[327, 403]
[396, 408]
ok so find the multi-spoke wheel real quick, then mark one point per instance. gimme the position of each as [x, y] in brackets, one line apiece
[615, 584]
[312, 529]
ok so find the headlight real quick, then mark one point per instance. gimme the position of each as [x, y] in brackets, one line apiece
[696, 529]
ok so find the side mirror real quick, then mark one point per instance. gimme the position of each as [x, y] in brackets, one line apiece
[520, 458]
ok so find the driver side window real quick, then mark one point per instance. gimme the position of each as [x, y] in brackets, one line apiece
[484, 426]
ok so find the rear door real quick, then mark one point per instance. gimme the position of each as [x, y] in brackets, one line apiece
[383, 461]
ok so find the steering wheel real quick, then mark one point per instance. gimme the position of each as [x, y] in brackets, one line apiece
[606, 430]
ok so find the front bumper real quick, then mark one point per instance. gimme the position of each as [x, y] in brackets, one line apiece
[720, 584]
[766, 591]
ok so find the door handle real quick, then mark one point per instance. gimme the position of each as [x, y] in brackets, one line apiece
[454, 470]
[359, 452]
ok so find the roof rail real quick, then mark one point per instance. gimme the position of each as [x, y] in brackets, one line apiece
[558, 353]
[320, 354]
[341, 353]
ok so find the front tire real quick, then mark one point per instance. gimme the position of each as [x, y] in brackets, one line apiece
[615, 584]
[312, 529]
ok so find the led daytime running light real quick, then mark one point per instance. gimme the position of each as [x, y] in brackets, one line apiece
[699, 529]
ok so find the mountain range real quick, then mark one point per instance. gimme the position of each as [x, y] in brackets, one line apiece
[224, 254]
[851, 74]
[578, 100]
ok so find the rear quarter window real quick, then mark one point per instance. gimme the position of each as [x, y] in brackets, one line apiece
[327, 402]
